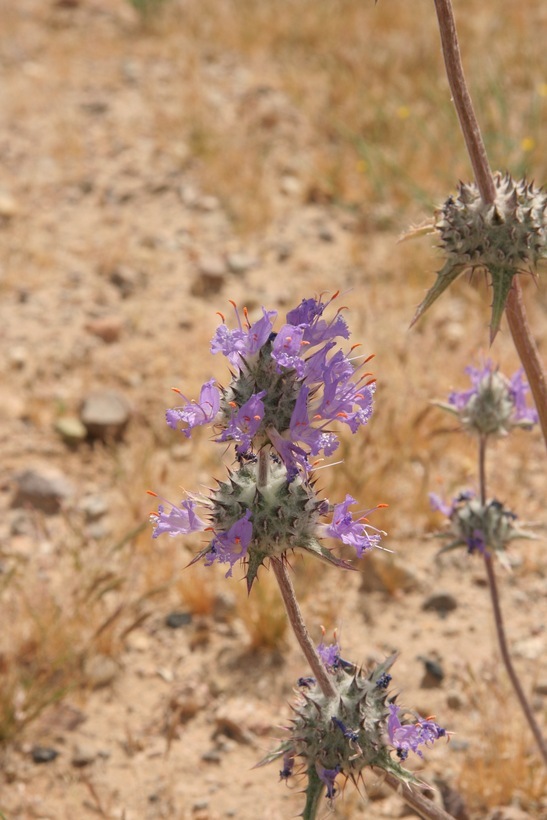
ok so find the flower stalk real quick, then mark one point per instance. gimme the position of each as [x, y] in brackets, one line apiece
[499, 623]
[515, 311]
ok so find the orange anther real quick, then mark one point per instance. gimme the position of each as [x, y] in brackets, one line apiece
[176, 390]
[151, 492]
[218, 313]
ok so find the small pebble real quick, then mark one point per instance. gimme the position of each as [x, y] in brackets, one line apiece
[105, 414]
[44, 489]
[177, 619]
[441, 602]
[43, 754]
[100, 670]
[83, 755]
[71, 429]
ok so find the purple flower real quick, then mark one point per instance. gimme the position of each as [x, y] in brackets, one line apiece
[287, 348]
[350, 734]
[194, 413]
[351, 532]
[231, 546]
[243, 341]
[178, 521]
[408, 737]
[519, 388]
[494, 404]
[245, 422]
[329, 654]
[288, 766]
[328, 776]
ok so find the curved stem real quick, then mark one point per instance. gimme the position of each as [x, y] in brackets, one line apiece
[424, 807]
[498, 617]
[500, 630]
[527, 351]
[300, 630]
[462, 101]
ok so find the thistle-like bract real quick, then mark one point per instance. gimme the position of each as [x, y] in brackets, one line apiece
[505, 238]
[359, 728]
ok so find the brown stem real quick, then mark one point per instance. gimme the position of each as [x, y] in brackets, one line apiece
[413, 798]
[529, 715]
[300, 630]
[528, 352]
[462, 101]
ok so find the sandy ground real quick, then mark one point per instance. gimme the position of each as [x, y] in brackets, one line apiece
[114, 259]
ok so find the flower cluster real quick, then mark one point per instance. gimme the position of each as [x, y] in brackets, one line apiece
[494, 404]
[362, 726]
[483, 528]
[286, 391]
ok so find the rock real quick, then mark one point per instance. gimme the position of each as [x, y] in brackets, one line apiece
[83, 755]
[455, 701]
[105, 414]
[212, 267]
[177, 619]
[8, 205]
[530, 648]
[100, 670]
[290, 185]
[18, 356]
[43, 754]
[384, 572]
[206, 285]
[440, 602]
[240, 262]
[208, 204]
[44, 489]
[71, 429]
[108, 328]
[93, 507]
[434, 674]
[541, 688]
[126, 280]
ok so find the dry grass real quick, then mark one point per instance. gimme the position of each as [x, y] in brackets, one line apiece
[349, 100]
[500, 767]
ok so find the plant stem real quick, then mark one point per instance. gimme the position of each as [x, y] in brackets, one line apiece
[528, 352]
[528, 714]
[414, 799]
[515, 311]
[498, 618]
[462, 100]
[300, 630]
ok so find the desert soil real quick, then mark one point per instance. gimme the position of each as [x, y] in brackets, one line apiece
[114, 260]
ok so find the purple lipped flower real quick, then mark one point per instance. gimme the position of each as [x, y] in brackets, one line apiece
[355, 533]
[178, 520]
[519, 389]
[231, 546]
[245, 422]
[494, 404]
[329, 654]
[328, 776]
[243, 341]
[481, 528]
[195, 413]
[408, 737]
[287, 349]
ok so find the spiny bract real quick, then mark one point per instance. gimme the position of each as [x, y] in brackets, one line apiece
[505, 237]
